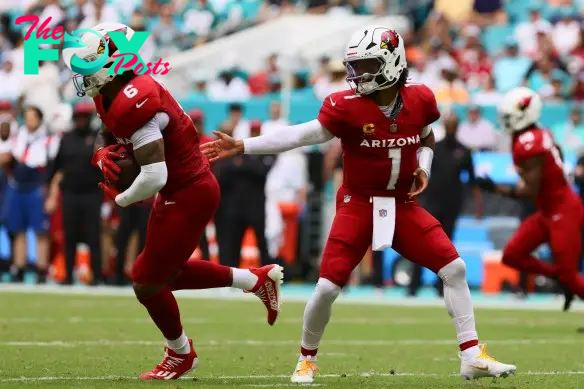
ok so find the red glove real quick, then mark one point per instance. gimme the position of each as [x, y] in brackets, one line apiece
[104, 159]
[109, 191]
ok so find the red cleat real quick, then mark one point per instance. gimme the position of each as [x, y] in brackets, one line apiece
[267, 288]
[173, 366]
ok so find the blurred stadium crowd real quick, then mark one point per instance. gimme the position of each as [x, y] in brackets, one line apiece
[468, 51]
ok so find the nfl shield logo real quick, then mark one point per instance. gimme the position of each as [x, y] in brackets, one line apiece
[347, 198]
[382, 212]
[393, 128]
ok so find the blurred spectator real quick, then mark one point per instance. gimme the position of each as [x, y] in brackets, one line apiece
[166, 33]
[487, 95]
[419, 72]
[455, 12]
[437, 58]
[42, 89]
[335, 82]
[539, 77]
[566, 33]
[33, 150]
[236, 125]
[477, 133]
[5, 146]
[323, 69]
[438, 29]
[276, 121]
[570, 134]
[557, 93]
[133, 220]
[488, 12]
[578, 50]
[49, 9]
[10, 79]
[96, 11]
[75, 183]
[228, 87]
[275, 86]
[243, 203]
[444, 196]
[198, 21]
[259, 83]
[286, 183]
[511, 68]
[526, 32]
[473, 59]
[578, 88]
[450, 89]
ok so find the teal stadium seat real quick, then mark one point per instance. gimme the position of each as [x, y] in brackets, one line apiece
[494, 37]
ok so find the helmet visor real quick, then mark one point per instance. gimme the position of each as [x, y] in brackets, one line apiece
[363, 69]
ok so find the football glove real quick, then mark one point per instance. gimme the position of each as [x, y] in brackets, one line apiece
[104, 159]
[109, 191]
[486, 184]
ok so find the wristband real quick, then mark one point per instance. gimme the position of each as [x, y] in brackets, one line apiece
[425, 157]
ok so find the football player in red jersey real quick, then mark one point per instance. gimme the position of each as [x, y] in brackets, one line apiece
[140, 113]
[383, 123]
[560, 214]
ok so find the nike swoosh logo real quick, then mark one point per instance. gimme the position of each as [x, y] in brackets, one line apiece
[333, 103]
[138, 105]
[169, 202]
[483, 368]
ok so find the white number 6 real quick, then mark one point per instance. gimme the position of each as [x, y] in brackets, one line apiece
[130, 91]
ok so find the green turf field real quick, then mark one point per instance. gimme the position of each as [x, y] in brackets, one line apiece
[76, 341]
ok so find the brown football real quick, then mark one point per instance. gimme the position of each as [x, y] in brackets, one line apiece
[130, 170]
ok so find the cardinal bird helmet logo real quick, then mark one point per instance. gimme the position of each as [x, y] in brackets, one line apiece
[524, 103]
[111, 45]
[389, 40]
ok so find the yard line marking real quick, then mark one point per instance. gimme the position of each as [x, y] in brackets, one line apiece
[405, 320]
[508, 303]
[261, 343]
[274, 376]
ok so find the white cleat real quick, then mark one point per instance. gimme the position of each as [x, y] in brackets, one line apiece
[305, 371]
[484, 365]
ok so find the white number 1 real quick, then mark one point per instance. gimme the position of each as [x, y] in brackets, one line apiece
[395, 156]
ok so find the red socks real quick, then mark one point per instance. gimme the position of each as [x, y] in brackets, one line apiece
[469, 344]
[199, 274]
[163, 310]
[308, 353]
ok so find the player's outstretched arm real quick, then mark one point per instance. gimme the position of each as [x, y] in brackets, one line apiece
[528, 186]
[284, 139]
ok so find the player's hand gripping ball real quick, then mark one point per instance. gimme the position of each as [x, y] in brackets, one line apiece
[129, 170]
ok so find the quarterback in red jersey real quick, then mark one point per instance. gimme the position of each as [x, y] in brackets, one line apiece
[140, 114]
[384, 127]
[560, 213]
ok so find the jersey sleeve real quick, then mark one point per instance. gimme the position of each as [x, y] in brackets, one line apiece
[137, 104]
[332, 115]
[529, 144]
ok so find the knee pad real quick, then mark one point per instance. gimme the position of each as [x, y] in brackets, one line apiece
[327, 290]
[453, 273]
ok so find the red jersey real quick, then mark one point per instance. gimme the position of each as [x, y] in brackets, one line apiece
[555, 188]
[379, 153]
[134, 106]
